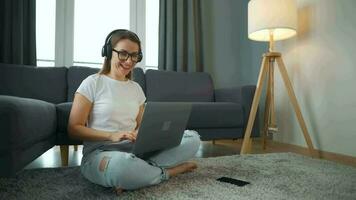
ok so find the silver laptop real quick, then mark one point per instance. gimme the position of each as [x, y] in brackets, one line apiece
[162, 127]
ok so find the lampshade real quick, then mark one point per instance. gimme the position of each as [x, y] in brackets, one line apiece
[278, 16]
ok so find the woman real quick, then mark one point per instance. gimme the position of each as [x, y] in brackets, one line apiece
[108, 108]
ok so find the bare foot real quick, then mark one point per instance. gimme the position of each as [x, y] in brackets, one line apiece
[118, 191]
[182, 168]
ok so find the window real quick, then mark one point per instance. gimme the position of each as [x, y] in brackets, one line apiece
[91, 30]
[73, 32]
[45, 17]
[152, 14]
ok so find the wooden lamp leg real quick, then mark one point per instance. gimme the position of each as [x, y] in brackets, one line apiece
[269, 107]
[267, 111]
[256, 99]
[295, 104]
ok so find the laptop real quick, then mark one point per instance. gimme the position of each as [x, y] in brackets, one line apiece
[162, 127]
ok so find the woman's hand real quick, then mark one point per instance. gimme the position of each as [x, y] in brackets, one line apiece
[125, 135]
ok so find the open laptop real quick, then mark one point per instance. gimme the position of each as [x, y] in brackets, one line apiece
[162, 127]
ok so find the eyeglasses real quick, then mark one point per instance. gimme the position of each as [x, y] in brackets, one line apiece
[124, 55]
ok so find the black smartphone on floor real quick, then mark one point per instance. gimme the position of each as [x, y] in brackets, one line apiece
[232, 181]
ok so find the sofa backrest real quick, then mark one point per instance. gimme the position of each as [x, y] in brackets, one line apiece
[75, 77]
[58, 84]
[139, 76]
[179, 86]
[43, 83]
[77, 74]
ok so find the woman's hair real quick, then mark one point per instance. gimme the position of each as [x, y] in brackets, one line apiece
[114, 38]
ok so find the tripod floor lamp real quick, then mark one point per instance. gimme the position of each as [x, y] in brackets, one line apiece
[272, 20]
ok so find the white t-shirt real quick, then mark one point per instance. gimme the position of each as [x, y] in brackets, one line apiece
[115, 105]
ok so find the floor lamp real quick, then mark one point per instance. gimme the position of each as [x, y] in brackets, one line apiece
[269, 21]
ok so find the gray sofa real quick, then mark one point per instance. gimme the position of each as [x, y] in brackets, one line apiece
[35, 103]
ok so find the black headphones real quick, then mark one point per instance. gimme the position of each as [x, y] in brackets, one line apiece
[106, 51]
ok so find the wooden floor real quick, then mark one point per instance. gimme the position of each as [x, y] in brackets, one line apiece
[221, 148]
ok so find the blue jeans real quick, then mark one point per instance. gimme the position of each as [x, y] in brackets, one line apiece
[125, 170]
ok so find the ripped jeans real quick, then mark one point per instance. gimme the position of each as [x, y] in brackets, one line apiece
[125, 170]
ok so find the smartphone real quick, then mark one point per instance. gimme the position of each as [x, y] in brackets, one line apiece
[232, 181]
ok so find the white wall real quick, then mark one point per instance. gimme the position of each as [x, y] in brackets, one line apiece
[321, 62]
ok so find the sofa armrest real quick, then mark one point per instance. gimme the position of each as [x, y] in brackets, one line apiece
[25, 121]
[242, 95]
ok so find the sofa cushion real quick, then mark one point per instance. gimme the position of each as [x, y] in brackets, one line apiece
[75, 77]
[215, 115]
[43, 83]
[62, 137]
[179, 86]
[63, 111]
[220, 133]
[203, 115]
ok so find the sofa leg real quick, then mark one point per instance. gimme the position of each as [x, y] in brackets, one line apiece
[75, 147]
[64, 154]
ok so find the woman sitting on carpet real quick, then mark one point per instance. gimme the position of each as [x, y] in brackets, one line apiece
[108, 108]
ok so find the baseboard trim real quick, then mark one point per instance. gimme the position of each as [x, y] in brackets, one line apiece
[340, 158]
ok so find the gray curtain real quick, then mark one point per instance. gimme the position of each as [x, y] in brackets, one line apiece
[180, 36]
[18, 32]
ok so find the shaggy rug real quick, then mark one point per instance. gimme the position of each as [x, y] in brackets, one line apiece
[272, 176]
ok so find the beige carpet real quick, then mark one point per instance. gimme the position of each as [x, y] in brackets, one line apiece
[272, 176]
